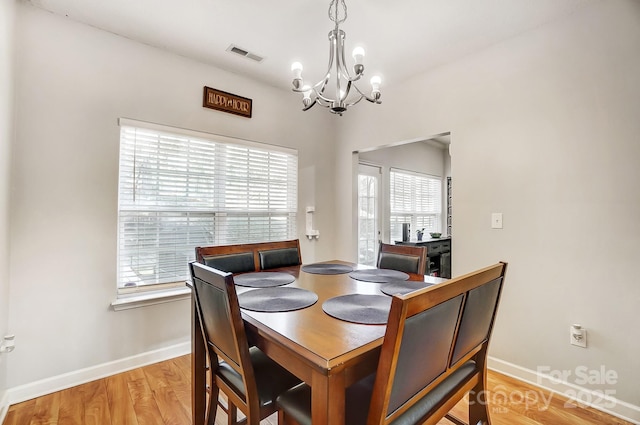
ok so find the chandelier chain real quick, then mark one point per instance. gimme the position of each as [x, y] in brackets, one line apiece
[334, 15]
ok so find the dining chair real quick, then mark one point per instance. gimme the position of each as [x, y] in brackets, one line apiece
[408, 259]
[280, 254]
[250, 380]
[434, 352]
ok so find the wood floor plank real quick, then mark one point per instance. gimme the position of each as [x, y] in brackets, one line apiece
[21, 413]
[180, 383]
[160, 394]
[120, 403]
[71, 407]
[144, 403]
[46, 410]
[96, 403]
[184, 363]
[168, 403]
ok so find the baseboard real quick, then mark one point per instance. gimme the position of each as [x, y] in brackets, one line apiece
[4, 406]
[82, 376]
[608, 404]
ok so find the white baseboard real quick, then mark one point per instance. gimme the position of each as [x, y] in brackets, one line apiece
[82, 376]
[584, 396]
[4, 406]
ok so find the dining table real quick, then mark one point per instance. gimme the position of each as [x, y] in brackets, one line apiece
[327, 353]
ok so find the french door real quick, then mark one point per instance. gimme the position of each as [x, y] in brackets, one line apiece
[369, 217]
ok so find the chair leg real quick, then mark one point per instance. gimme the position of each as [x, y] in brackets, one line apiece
[232, 414]
[212, 403]
[479, 411]
[283, 419]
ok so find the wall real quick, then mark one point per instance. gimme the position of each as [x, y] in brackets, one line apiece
[544, 129]
[7, 13]
[72, 84]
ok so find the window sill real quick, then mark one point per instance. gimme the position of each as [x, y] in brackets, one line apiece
[151, 298]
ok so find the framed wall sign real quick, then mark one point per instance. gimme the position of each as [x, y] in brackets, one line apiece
[226, 102]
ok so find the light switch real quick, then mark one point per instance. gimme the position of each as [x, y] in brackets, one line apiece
[496, 220]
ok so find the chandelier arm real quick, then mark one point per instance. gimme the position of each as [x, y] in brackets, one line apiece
[306, 108]
[369, 98]
[342, 63]
[319, 96]
[346, 92]
[324, 102]
[357, 100]
[320, 93]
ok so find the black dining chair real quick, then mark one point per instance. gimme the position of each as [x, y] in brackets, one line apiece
[250, 380]
[434, 352]
[280, 254]
[404, 258]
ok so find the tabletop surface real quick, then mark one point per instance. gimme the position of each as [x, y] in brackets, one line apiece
[313, 334]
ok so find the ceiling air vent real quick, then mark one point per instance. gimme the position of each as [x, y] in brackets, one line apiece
[242, 52]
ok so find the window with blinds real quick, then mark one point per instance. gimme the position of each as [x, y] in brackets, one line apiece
[416, 199]
[180, 189]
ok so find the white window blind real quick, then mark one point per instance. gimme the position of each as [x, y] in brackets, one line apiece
[416, 199]
[180, 189]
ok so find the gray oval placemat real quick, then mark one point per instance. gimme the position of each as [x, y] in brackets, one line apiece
[379, 275]
[404, 287]
[359, 308]
[263, 279]
[327, 268]
[277, 299]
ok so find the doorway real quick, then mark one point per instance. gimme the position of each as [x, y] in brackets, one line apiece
[423, 156]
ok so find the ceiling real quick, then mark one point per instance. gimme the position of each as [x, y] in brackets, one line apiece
[401, 38]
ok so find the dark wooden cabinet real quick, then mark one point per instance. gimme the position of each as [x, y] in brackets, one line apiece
[438, 255]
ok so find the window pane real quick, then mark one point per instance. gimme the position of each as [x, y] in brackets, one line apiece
[177, 192]
[367, 219]
[416, 199]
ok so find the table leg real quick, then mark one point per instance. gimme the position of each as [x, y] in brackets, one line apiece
[198, 368]
[327, 399]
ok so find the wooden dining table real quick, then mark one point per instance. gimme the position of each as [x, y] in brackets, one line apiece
[328, 354]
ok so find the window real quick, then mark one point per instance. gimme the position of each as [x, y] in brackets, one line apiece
[416, 199]
[180, 189]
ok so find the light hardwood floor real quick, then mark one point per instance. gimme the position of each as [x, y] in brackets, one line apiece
[160, 394]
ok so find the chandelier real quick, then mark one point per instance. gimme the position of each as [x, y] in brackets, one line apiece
[344, 82]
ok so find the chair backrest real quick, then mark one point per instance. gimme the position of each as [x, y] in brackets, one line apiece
[435, 347]
[222, 325]
[405, 258]
[250, 257]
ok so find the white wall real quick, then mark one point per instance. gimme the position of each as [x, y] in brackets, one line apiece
[7, 12]
[544, 129]
[72, 84]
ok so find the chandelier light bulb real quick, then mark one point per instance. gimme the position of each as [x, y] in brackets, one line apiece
[296, 68]
[358, 54]
[375, 87]
[375, 82]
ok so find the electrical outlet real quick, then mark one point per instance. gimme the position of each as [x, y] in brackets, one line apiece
[578, 336]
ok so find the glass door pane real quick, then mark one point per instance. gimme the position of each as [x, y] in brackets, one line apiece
[368, 214]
